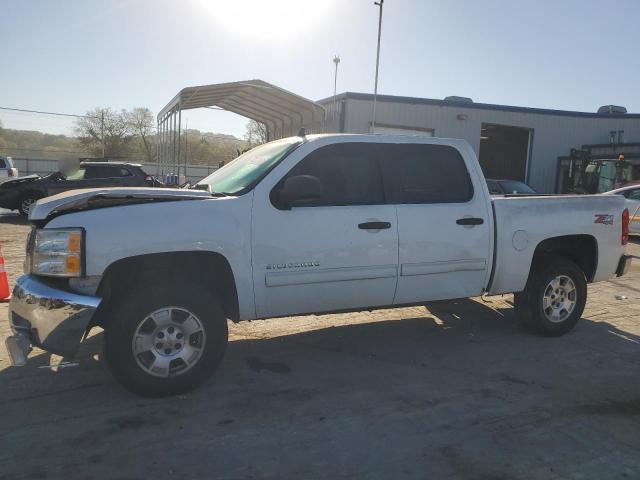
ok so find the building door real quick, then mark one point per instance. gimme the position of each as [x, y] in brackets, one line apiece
[504, 151]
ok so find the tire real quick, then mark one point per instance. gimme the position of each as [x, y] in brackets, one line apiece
[26, 201]
[165, 339]
[554, 298]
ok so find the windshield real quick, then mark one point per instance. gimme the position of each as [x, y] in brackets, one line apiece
[246, 170]
[513, 186]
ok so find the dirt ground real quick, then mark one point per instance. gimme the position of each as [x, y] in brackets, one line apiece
[456, 390]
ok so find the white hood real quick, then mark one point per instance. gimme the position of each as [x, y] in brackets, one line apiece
[80, 199]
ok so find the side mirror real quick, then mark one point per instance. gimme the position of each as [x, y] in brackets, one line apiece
[297, 190]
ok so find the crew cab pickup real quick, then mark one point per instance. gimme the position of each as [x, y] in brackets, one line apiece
[322, 223]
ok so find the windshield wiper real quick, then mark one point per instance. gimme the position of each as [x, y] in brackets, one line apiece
[220, 194]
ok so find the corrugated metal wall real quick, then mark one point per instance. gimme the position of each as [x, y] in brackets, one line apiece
[553, 135]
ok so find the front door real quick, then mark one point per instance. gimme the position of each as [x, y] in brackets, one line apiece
[339, 251]
[443, 222]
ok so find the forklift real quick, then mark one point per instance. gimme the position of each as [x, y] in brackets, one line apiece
[599, 168]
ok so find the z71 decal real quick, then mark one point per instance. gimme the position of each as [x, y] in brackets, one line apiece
[604, 219]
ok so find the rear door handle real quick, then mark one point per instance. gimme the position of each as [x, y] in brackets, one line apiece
[374, 225]
[470, 221]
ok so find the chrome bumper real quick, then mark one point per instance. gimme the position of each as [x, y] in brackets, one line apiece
[52, 319]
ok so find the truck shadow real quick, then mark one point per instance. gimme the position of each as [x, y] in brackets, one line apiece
[450, 376]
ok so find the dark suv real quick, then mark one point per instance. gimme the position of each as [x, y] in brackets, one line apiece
[21, 193]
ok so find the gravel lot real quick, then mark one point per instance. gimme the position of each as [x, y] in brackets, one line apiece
[455, 390]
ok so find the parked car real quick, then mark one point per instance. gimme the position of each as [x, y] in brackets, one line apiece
[21, 193]
[631, 193]
[509, 187]
[7, 169]
[324, 223]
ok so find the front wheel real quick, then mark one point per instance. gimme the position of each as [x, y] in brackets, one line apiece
[26, 202]
[554, 298]
[165, 339]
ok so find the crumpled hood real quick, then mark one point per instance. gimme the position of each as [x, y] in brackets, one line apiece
[17, 181]
[92, 198]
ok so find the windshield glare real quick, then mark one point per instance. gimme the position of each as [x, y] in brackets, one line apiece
[248, 168]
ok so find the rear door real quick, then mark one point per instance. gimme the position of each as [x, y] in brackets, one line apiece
[443, 222]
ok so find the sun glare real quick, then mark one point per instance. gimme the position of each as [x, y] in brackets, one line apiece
[267, 19]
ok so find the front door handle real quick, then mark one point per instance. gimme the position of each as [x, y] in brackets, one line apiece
[470, 221]
[374, 225]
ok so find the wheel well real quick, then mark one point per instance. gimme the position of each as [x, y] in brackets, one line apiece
[209, 269]
[581, 249]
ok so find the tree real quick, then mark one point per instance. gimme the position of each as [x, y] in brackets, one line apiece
[142, 123]
[105, 130]
[256, 133]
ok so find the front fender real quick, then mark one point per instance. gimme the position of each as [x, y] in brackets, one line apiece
[218, 225]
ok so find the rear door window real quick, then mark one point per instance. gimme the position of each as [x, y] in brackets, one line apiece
[3, 164]
[349, 174]
[424, 173]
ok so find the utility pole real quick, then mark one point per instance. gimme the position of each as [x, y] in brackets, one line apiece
[375, 88]
[102, 130]
[336, 60]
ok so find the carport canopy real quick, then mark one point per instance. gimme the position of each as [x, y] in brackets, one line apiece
[283, 112]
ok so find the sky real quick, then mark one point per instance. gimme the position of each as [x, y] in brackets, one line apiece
[71, 56]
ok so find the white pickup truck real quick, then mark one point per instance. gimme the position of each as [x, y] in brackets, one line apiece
[322, 223]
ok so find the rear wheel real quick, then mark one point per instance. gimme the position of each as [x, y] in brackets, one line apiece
[554, 298]
[165, 339]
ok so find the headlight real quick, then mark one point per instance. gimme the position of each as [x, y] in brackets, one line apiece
[58, 252]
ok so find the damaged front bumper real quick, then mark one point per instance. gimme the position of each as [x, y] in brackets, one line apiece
[50, 318]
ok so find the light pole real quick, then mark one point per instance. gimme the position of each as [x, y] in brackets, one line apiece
[336, 60]
[375, 88]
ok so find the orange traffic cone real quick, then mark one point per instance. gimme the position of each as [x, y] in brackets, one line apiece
[5, 293]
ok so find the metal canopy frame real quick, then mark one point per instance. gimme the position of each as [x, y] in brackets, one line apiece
[283, 113]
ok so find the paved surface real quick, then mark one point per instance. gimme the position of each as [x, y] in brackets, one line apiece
[456, 390]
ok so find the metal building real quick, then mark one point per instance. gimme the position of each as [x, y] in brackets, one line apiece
[512, 142]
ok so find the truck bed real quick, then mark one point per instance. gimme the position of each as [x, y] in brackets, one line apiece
[522, 222]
